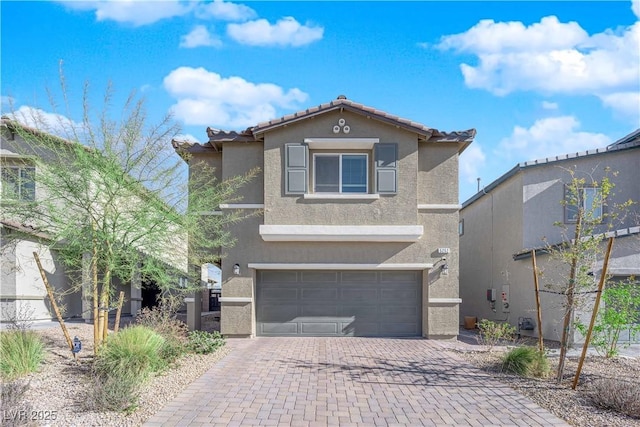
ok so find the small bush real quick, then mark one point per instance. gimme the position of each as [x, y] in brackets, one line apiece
[135, 351]
[619, 395]
[202, 342]
[21, 352]
[122, 364]
[491, 333]
[162, 319]
[526, 362]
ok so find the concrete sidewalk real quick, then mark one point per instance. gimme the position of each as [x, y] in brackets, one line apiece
[347, 382]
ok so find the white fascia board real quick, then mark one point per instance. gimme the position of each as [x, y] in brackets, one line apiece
[341, 233]
[242, 206]
[445, 300]
[235, 299]
[341, 143]
[343, 196]
[439, 207]
[329, 266]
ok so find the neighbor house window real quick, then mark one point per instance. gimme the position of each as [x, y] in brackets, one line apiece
[18, 183]
[590, 200]
[461, 227]
[340, 173]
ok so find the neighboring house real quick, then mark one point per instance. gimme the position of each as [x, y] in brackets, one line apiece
[505, 221]
[357, 227]
[22, 291]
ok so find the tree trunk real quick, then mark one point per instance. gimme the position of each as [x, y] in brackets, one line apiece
[571, 289]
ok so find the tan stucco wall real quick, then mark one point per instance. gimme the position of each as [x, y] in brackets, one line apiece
[388, 210]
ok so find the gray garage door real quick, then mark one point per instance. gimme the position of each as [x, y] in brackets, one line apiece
[339, 303]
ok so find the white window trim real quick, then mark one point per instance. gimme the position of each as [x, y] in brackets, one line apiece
[315, 155]
[340, 233]
[341, 143]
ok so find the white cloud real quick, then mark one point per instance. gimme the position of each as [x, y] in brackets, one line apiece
[186, 137]
[53, 123]
[550, 57]
[627, 104]
[205, 98]
[286, 32]
[199, 36]
[549, 105]
[471, 161]
[549, 137]
[635, 8]
[226, 11]
[137, 13]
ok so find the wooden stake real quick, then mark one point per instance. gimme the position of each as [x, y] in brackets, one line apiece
[53, 302]
[118, 312]
[539, 310]
[603, 278]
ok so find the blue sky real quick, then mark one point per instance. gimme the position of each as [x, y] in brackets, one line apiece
[535, 79]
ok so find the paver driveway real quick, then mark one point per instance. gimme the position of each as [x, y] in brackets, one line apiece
[347, 382]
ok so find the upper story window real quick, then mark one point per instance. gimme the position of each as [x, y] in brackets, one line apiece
[18, 183]
[343, 173]
[589, 199]
[340, 173]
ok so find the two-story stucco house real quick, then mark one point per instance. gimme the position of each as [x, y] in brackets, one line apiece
[358, 227]
[504, 222]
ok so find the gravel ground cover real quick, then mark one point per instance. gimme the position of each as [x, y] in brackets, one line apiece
[59, 389]
[573, 406]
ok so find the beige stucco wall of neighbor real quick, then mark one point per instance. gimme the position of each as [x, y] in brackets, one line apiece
[492, 233]
[416, 182]
[544, 190]
[516, 215]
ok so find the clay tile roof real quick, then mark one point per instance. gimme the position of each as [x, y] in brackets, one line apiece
[343, 102]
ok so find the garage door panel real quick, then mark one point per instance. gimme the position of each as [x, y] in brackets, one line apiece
[360, 329]
[279, 313]
[322, 294]
[398, 329]
[399, 293]
[279, 328]
[347, 277]
[339, 303]
[360, 312]
[319, 276]
[274, 276]
[320, 311]
[319, 328]
[399, 276]
[278, 293]
[359, 294]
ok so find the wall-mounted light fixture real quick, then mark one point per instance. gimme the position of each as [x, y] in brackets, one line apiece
[445, 269]
[236, 269]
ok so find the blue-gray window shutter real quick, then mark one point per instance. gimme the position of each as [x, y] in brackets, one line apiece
[386, 161]
[296, 169]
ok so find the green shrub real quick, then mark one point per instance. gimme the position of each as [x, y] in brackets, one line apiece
[123, 363]
[162, 319]
[202, 342]
[135, 351]
[526, 362]
[491, 333]
[21, 352]
[617, 394]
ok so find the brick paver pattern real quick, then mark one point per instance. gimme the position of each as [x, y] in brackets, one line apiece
[347, 382]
